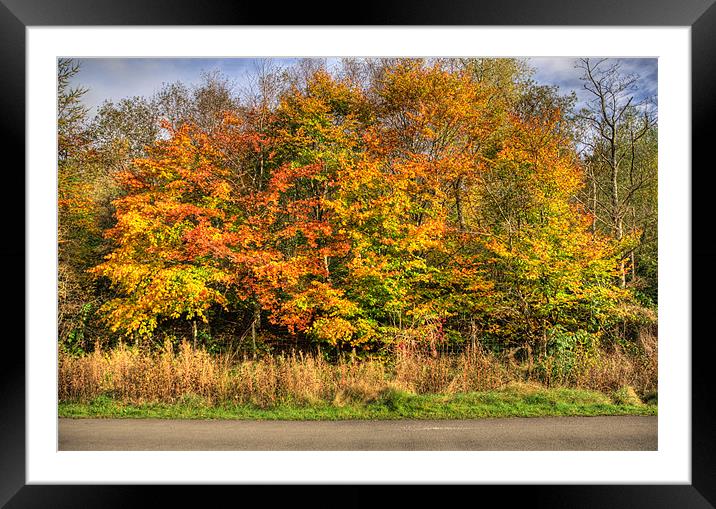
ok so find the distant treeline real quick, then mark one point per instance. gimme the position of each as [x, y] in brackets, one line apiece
[451, 201]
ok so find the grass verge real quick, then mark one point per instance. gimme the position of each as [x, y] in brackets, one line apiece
[510, 401]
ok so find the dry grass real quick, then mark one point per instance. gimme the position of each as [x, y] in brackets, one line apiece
[615, 369]
[473, 370]
[130, 375]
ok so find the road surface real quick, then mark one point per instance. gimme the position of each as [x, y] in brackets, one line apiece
[626, 433]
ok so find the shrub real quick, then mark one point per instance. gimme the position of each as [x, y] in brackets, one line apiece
[626, 396]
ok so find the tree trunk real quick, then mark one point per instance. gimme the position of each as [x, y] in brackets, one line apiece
[616, 209]
[594, 203]
[194, 332]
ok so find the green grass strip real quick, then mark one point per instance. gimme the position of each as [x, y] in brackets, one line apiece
[392, 404]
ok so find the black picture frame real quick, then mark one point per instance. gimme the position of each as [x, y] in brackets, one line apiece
[700, 15]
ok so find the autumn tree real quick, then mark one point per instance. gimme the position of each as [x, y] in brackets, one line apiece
[170, 236]
[122, 131]
[202, 105]
[407, 198]
[315, 136]
[550, 273]
[394, 198]
[621, 142]
[80, 190]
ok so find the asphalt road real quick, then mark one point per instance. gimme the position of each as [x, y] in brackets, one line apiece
[624, 433]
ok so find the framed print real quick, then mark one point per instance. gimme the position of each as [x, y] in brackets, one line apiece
[36, 34]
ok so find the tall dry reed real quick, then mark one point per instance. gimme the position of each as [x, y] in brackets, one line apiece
[131, 375]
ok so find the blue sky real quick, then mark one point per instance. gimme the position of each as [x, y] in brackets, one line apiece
[561, 72]
[117, 78]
